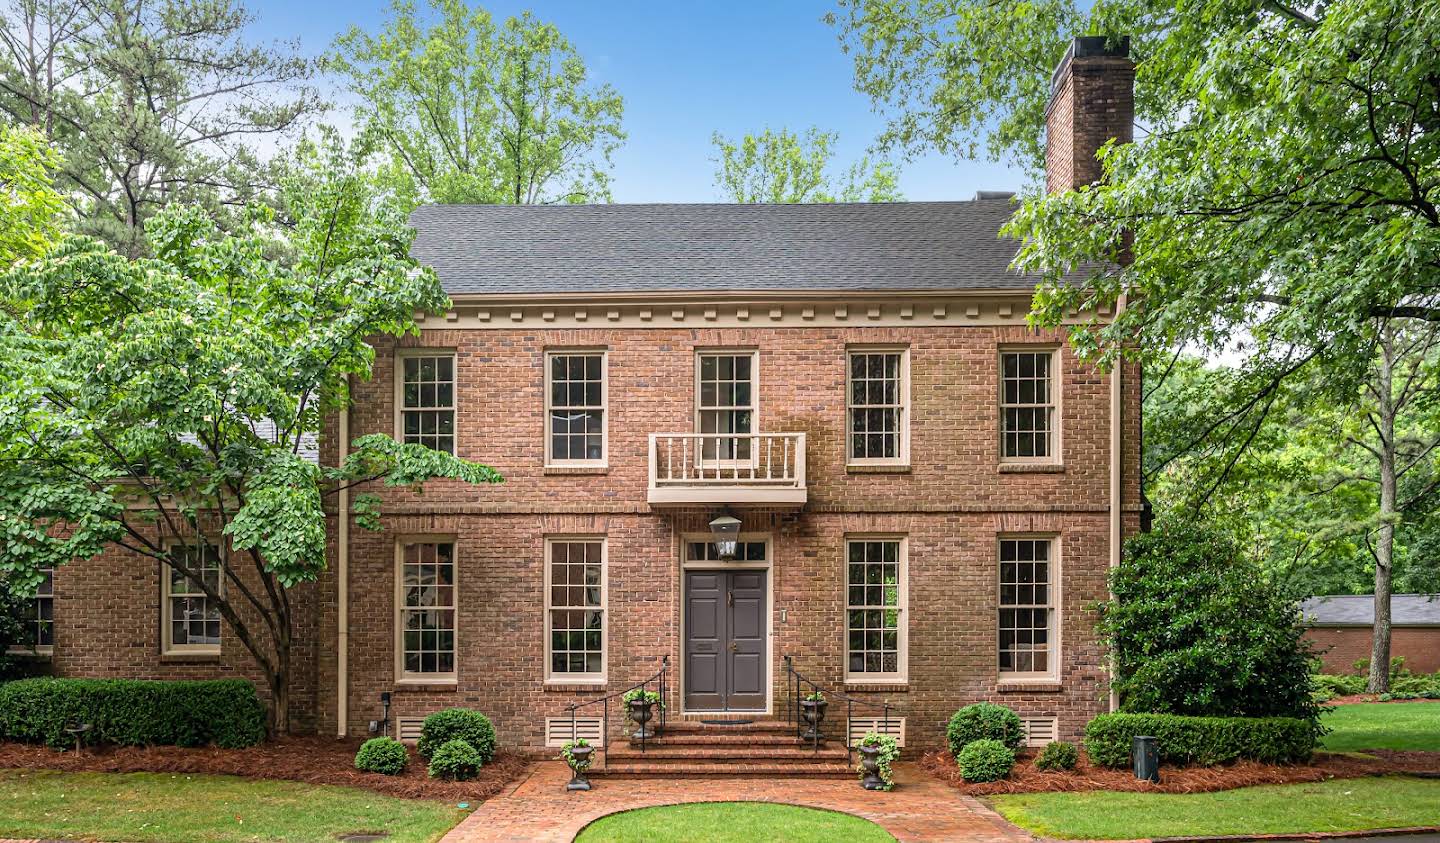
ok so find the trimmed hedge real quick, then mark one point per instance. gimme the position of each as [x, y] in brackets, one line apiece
[133, 712]
[457, 724]
[1202, 741]
[983, 721]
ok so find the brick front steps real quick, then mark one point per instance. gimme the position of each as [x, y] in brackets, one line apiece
[692, 748]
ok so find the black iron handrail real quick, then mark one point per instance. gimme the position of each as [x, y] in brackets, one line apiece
[657, 679]
[793, 681]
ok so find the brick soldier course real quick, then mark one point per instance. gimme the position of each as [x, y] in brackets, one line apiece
[651, 287]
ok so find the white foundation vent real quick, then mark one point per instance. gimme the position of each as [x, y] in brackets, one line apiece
[407, 729]
[1040, 730]
[862, 726]
[558, 733]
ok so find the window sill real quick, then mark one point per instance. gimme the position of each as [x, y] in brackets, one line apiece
[877, 468]
[39, 654]
[198, 657]
[414, 685]
[576, 469]
[1028, 686]
[891, 687]
[1032, 468]
[570, 686]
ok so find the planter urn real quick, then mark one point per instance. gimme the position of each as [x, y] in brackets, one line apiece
[580, 762]
[642, 712]
[870, 766]
[813, 713]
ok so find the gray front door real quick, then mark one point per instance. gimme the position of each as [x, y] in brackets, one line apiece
[725, 652]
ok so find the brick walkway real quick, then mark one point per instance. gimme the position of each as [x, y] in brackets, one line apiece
[920, 808]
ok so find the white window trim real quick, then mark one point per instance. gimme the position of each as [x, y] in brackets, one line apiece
[552, 678]
[402, 676]
[43, 650]
[167, 645]
[1053, 658]
[398, 399]
[754, 407]
[1056, 414]
[902, 627]
[903, 449]
[604, 461]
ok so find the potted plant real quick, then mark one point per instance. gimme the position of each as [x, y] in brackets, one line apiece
[579, 754]
[877, 751]
[812, 709]
[640, 704]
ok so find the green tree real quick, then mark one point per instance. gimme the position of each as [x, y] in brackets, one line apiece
[1194, 628]
[167, 399]
[151, 102]
[1285, 199]
[782, 167]
[30, 207]
[469, 112]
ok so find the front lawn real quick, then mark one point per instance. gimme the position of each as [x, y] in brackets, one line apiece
[1337, 805]
[1406, 725]
[179, 808]
[733, 822]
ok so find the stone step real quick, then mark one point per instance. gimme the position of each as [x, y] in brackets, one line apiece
[758, 769]
[730, 738]
[758, 726]
[705, 752]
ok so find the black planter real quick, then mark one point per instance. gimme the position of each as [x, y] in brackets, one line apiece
[870, 765]
[581, 756]
[813, 712]
[642, 712]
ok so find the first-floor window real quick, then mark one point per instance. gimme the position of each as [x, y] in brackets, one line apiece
[1027, 609]
[427, 609]
[875, 599]
[575, 608]
[192, 617]
[39, 617]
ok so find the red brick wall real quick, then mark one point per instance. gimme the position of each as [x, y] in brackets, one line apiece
[1345, 645]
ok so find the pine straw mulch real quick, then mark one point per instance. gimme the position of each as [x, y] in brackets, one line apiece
[313, 760]
[1086, 776]
[1353, 699]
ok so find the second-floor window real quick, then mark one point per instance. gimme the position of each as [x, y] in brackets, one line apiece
[576, 411]
[1027, 406]
[427, 400]
[725, 398]
[876, 407]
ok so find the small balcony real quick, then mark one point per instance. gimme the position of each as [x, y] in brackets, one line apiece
[737, 469]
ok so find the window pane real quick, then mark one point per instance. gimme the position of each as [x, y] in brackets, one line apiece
[1027, 410]
[576, 607]
[1025, 614]
[873, 620]
[427, 609]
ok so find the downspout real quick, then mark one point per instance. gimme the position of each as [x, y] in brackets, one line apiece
[1117, 464]
[342, 579]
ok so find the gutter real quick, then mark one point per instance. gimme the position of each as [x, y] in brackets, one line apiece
[342, 579]
[1117, 464]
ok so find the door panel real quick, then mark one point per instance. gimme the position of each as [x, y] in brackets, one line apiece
[725, 640]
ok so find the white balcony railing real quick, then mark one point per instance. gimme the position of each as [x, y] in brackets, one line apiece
[733, 468]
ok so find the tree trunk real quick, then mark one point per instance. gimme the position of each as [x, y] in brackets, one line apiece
[1385, 546]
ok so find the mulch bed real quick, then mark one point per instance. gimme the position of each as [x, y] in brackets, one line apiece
[1086, 776]
[313, 760]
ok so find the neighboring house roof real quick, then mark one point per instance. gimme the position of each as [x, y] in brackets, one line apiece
[529, 249]
[1359, 610]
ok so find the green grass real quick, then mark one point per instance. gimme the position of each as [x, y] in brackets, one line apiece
[1337, 805]
[732, 822]
[1404, 725]
[180, 808]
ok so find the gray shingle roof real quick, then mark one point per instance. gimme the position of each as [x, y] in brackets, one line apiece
[1353, 610]
[649, 248]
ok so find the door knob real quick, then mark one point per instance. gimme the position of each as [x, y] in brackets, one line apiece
[733, 648]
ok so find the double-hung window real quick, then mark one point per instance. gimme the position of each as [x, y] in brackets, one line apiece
[192, 617]
[427, 603]
[726, 396]
[1028, 430]
[1027, 607]
[426, 396]
[38, 616]
[874, 611]
[575, 414]
[575, 602]
[877, 407]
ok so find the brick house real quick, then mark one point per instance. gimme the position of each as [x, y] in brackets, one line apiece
[929, 493]
[1342, 625]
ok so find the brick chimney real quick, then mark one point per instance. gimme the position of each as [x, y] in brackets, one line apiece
[1092, 99]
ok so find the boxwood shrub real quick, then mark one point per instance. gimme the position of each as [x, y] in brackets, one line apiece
[1202, 741]
[455, 760]
[382, 755]
[1058, 756]
[984, 721]
[457, 724]
[132, 712]
[986, 760]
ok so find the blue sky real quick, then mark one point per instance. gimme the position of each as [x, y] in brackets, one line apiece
[687, 69]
